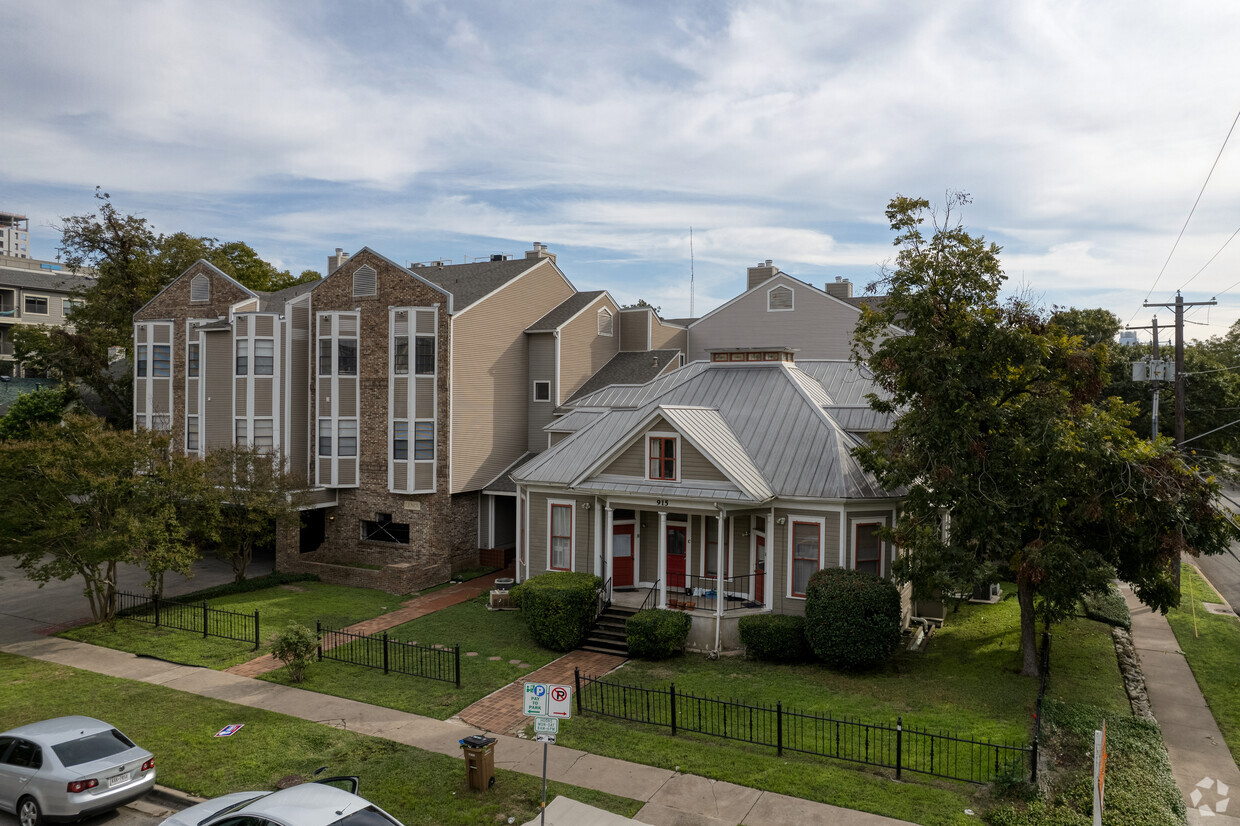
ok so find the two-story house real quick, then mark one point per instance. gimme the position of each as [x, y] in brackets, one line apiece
[34, 292]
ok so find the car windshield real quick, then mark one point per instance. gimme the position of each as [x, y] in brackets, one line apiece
[92, 747]
[370, 816]
[240, 804]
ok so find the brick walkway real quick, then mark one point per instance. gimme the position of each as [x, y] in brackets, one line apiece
[411, 610]
[501, 711]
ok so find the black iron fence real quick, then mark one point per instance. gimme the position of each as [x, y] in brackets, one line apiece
[198, 617]
[899, 747]
[703, 593]
[392, 656]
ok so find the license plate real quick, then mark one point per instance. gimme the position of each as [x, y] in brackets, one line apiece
[119, 779]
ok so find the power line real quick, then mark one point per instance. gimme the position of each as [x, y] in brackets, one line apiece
[1191, 211]
[1230, 238]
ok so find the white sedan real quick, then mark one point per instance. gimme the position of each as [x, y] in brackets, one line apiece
[310, 804]
[68, 768]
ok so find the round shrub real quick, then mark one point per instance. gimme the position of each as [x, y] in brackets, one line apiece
[852, 618]
[657, 633]
[558, 607]
[296, 646]
[775, 637]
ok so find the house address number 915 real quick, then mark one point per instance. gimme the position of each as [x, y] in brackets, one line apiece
[660, 502]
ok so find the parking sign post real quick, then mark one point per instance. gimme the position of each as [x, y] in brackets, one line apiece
[547, 704]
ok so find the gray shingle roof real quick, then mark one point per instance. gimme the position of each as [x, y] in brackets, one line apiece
[627, 368]
[570, 307]
[470, 282]
[503, 482]
[275, 301]
[50, 280]
[776, 427]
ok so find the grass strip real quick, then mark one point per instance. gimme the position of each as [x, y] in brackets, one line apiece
[416, 786]
[1212, 651]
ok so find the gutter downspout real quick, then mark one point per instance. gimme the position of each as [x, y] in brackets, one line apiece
[718, 577]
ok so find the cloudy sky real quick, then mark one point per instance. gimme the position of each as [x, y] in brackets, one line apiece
[780, 130]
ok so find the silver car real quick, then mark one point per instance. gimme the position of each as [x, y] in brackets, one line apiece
[310, 804]
[68, 768]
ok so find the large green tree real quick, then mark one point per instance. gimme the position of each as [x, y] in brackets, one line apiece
[80, 499]
[1010, 455]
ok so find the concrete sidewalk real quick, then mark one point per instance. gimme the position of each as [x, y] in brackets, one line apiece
[1199, 756]
[671, 798]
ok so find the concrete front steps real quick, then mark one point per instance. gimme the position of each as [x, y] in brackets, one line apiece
[608, 635]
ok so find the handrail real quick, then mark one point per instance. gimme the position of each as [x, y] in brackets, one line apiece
[602, 600]
[649, 594]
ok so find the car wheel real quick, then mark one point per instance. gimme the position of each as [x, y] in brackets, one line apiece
[28, 813]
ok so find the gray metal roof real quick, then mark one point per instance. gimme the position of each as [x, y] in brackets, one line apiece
[572, 421]
[629, 368]
[470, 282]
[763, 413]
[860, 419]
[635, 395]
[568, 308]
[844, 383]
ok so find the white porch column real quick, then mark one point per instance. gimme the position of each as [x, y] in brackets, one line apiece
[719, 570]
[609, 541]
[662, 559]
[773, 556]
[598, 548]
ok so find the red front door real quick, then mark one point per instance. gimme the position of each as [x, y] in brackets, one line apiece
[677, 535]
[759, 574]
[622, 556]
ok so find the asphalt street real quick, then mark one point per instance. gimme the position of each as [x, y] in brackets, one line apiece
[1223, 570]
[26, 608]
[139, 813]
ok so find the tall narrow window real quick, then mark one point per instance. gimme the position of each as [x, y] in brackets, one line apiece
[264, 357]
[325, 357]
[243, 437]
[140, 361]
[161, 360]
[194, 361]
[662, 458]
[869, 548]
[561, 536]
[243, 357]
[424, 440]
[806, 546]
[264, 433]
[325, 437]
[347, 355]
[400, 440]
[400, 355]
[348, 437]
[424, 355]
[191, 434]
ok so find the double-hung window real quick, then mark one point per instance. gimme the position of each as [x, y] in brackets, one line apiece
[193, 361]
[423, 440]
[346, 354]
[325, 357]
[325, 437]
[806, 553]
[264, 356]
[868, 548]
[400, 440]
[424, 355]
[140, 361]
[243, 357]
[561, 533]
[161, 360]
[348, 437]
[400, 355]
[191, 434]
[662, 455]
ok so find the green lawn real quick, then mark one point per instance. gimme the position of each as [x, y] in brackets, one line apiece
[303, 602]
[1212, 651]
[500, 634]
[417, 787]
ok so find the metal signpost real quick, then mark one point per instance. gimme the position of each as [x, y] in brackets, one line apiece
[547, 704]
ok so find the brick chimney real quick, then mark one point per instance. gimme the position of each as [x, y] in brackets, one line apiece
[760, 273]
[842, 288]
[540, 251]
[334, 261]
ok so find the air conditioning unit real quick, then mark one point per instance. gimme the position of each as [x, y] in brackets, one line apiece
[987, 593]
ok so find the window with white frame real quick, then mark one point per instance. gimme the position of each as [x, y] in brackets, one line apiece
[779, 299]
[423, 440]
[242, 433]
[191, 434]
[325, 437]
[663, 451]
[604, 322]
[347, 442]
[264, 433]
[264, 356]
[868, 547]
[193, 360]
[140, 357]
[400, 355]
[805, 538]
[243, 357]
[161, 361]
[400, 441]
[36, 305]
[542, 391]
[560, 536]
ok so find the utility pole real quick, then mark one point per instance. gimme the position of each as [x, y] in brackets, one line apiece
[1179, 306]
[1153, 369]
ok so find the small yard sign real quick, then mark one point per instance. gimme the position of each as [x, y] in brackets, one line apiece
[229, 731]
[535, 700]
[560, 705]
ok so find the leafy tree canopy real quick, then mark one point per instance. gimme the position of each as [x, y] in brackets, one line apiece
[1011, 456]
[1094, 326]
[46, 405]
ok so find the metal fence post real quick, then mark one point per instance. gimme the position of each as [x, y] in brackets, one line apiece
[899, 745]
[318, 635]
[457, 648]
[577, 684]
[204, 620]
[1033, 772]
[779, 728]
[385, 652]
[255, 629]
[672, 693]
[156, 600]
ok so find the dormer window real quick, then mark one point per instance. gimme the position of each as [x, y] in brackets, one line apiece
[662, 455]
[365, 282]
[200, 288]
[779, 299]
[604, 322]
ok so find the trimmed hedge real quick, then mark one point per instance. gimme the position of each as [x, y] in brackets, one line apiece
[852, 618]
[775, 637]
[1109, 608]
[657, 633]
[558, 607]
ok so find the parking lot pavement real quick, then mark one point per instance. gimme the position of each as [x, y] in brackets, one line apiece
[144, 812]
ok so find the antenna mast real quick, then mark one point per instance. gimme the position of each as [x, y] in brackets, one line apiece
[690, 272]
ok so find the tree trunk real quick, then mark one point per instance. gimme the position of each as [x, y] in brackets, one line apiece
[1028, 627]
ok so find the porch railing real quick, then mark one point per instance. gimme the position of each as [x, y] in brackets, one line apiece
[603, 599]
[703, 593]
[651, 600]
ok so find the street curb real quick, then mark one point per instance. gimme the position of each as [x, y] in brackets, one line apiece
[173, 797]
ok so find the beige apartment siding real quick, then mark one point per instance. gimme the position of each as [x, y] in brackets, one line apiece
[542, 368]
[490, 428]
[240, 395]
[820, 327]
[348, 396]
[264, 326]
[139, 395]
[582, 350]
[424, 397]
[216, 427]
[55, 306]
[634, 330]
[667, 337]
[695, 466]
[263, 389]
[159, 390]
[297, 358]
[400, 397]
